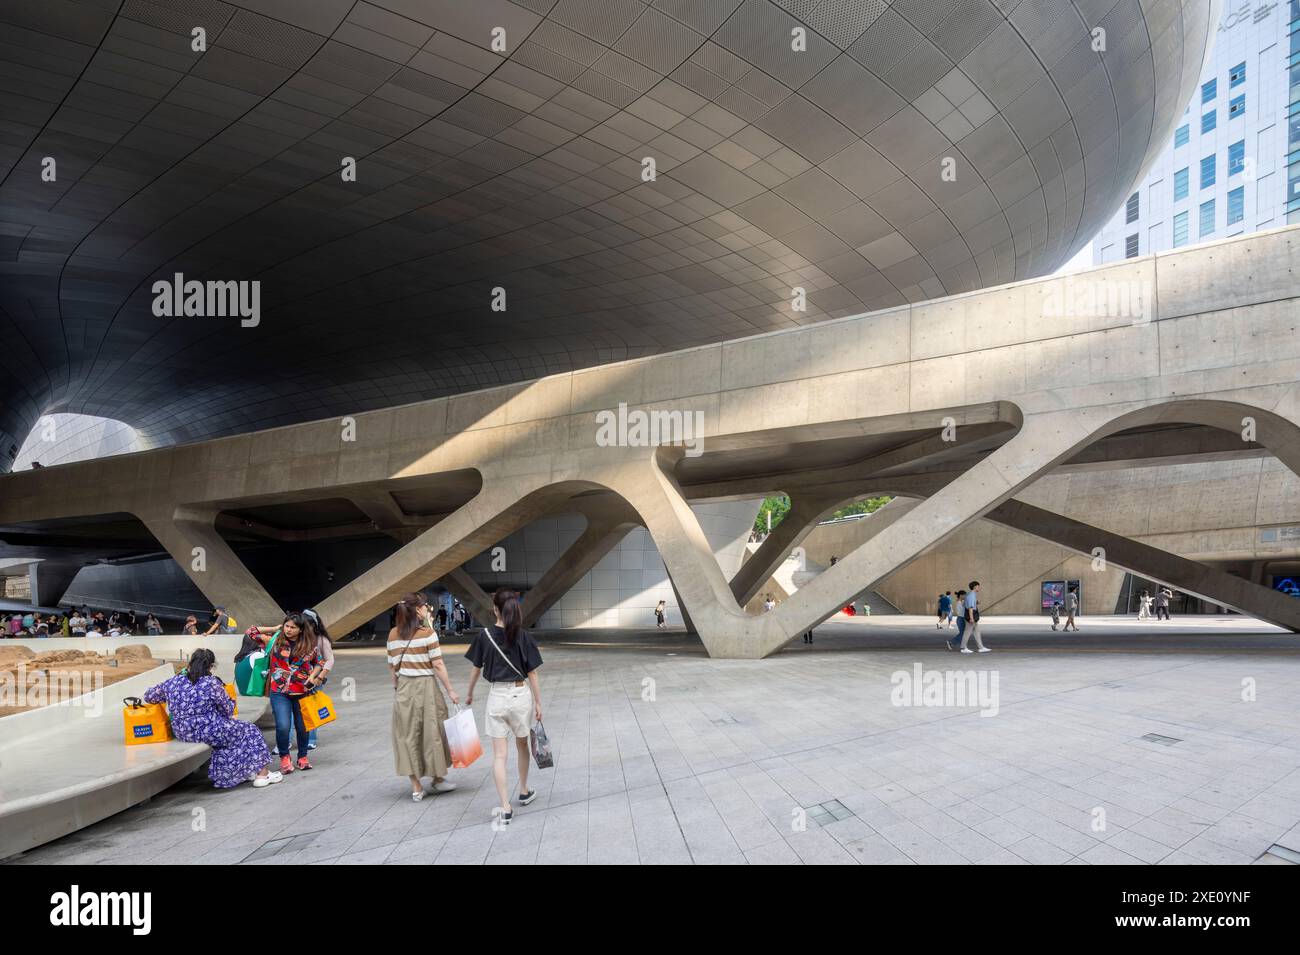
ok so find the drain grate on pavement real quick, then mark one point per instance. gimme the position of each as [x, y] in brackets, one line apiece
[1112, 686]
[725, 721]
[1282, 852]
[287, 844]
[827, 812]
[1162, 740]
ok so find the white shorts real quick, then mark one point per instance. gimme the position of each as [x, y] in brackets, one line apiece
[509, 711]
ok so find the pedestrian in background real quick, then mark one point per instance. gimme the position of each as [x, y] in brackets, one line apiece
[973, 620]
[1071, 608]
[945, 609]
[959, 614]
[1163, 596]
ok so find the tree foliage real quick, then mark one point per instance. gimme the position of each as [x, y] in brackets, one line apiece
[779, 506]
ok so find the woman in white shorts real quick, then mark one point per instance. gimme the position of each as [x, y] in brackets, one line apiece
[506, 656]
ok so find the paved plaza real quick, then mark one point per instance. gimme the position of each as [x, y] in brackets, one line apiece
[1185, 750]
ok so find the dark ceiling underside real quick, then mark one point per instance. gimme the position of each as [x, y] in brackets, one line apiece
[477, 169]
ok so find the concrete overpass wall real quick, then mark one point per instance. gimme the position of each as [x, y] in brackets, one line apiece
[1210, 343]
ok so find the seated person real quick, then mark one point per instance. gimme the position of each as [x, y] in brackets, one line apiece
[200, 709]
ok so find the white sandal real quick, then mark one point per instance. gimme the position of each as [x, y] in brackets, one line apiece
[261, 781]
[416, 797]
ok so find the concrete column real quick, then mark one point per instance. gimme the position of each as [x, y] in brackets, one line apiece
[1191, 577]
[379, 506]
[501, 507]
[805, 511]
[1043, 441]
[681, 608]
[216, 570]
[50, 580]
[466, 589]
[606, 526]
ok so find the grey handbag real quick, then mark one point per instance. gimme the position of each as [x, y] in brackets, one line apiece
[541, 746]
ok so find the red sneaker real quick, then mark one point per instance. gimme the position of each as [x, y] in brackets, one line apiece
[302, 762]
[286, 764]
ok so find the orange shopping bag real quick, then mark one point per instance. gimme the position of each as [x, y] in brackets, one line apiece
[145, 722]
[462, 737]
[233, 694]
[317, 710]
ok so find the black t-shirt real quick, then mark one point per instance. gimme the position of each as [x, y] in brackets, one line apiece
[524, 654]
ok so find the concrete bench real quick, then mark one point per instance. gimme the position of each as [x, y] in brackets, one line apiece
[65, 766]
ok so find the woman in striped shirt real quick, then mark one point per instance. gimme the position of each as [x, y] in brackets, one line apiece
[419, 743]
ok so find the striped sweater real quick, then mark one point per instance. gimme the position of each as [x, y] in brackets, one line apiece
[416, 655]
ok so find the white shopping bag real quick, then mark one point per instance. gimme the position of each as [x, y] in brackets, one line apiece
[462, 737]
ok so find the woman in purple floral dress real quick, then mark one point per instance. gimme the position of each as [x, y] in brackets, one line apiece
[199, 709]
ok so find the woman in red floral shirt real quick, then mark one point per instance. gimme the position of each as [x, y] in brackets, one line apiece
[297, 667]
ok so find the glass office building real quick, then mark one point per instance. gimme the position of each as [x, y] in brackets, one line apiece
[1233, 164]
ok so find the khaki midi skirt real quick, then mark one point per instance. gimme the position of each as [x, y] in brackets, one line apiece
[419, 742]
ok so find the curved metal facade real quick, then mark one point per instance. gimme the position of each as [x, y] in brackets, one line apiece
[821, 168]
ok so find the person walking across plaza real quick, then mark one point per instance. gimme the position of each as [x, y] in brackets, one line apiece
[506, 656]
[958, 614]
[1071, 608]
[1163, 596]
[660, 620]
[415, 657]
[945, 609]
[1056, 614]
[972, 613]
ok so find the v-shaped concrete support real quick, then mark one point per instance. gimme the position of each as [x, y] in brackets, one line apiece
[609, 519]
[466, 589]
[727, 631]
[190, 536]
[805, 511]
[1179, 572]
[501, 507]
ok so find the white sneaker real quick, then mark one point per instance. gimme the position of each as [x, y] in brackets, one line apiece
[261, 781]
[443, 787]
[982, 650]
[964, 650]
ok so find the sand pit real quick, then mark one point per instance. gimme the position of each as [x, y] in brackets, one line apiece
[30, 680]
